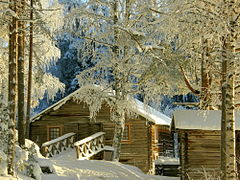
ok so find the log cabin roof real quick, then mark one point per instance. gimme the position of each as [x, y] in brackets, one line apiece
[137, 107]
[150, 113]
[200, 119]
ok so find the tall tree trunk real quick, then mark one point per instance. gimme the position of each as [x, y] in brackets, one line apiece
[119, 119]
[118, 115]
[228, 118]
[206, 97]
[21, 99]
[29, 92]
[223, 121]
[12, 87]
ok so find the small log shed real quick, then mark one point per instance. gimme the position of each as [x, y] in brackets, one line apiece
[143, 134]
[199, 139]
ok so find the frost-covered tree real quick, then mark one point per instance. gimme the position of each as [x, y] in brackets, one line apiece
[13, 15]
[20, 69]
[12, 87]
[47, 20]
[120, 39]
[30, 69]
[3, 52]
[232, 23]
[186, 25]
[45, 52]
[217, 26]
[4, 118]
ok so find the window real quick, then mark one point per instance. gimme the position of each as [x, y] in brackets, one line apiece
[126, 133]
[54, 132]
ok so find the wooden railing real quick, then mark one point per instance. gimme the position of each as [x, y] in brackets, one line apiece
[55, 146]
[89, 146]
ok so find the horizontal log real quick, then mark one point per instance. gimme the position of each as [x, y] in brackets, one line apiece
[205, 166]
[204, 138]
[209, 160]
[202, 165]
[201, 131]
[204, 146]
[204, 157]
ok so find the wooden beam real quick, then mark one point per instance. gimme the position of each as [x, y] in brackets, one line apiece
[186, 103]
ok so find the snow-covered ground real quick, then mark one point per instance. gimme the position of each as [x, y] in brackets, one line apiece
[66, 167]
[19, 177]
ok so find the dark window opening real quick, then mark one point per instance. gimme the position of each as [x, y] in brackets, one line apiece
[54, 132]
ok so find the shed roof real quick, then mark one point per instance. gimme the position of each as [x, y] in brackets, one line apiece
[137, 107]
[200, 119]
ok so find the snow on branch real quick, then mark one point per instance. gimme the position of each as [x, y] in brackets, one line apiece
[9, 12]
[153, 48]
[135, 35]
[197, 92]
[94, 96]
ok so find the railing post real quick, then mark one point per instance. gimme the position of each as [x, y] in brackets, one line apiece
[71, 141]
[77, 150]
[46, 151]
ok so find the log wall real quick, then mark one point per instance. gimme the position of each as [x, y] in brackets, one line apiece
[162, 141]
[73, 117]
[199, 154]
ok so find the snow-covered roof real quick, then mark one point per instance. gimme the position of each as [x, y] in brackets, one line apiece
[200, 119]
[150, 113]
[138, 107]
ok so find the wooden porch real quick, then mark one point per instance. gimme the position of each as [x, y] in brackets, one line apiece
[85, 148]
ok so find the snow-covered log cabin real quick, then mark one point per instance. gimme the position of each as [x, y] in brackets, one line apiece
[145, 137]
[199, 139]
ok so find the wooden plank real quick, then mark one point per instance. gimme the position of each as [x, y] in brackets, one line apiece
[182, 154]
[202, 132]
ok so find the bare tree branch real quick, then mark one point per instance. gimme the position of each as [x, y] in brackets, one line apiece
[156, 11]
[197, 92]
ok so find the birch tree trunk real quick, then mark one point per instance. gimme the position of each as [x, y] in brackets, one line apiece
[118, 115]
[12, 87]
[29, 91]
[119, 118]
[21, 99]
[205, 102]
[228, 119]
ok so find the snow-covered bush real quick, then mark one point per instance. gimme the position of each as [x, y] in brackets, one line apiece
[33, 149]
[32, 167]
[26, 160]
[4, 116]
[3, 163]
[21, 158]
